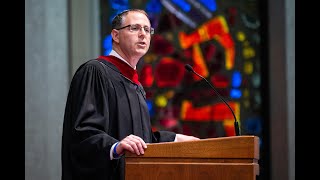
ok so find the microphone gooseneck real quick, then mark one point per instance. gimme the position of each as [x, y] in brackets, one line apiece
[236, 125]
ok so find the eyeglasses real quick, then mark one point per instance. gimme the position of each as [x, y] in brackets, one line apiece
[137, 27]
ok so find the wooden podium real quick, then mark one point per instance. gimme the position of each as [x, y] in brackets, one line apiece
[224, 158]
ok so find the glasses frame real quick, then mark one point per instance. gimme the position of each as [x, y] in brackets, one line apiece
[130, 25]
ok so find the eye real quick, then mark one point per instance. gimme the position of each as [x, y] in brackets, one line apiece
[146, 29]
[135, 28]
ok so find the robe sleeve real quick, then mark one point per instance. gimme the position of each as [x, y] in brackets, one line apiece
[87, 120]
[163, 136]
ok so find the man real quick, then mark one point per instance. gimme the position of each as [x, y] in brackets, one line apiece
[106, 113]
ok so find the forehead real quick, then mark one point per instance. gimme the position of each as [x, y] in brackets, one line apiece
[135, 17]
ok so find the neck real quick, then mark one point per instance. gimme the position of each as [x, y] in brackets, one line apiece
[132, 60]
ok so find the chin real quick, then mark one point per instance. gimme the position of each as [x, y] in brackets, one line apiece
[142, 52]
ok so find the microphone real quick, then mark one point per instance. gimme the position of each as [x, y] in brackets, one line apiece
[236, 125]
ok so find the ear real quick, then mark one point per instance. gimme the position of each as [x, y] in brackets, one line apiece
[115, 35]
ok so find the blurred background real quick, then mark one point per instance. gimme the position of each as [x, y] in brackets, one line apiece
[245, 49]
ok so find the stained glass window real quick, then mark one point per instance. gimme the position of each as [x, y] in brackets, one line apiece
[221, 40]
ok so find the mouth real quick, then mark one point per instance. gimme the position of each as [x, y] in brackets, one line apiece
[142, 44]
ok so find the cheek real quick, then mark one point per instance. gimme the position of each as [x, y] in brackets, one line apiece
[127, 41]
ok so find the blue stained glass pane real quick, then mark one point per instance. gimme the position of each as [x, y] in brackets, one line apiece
[107, 44]
[235, 93]
[154, 6]
[211, 5]
[118, 6]
[150, 107]
[183, 5]
[236, 79]
[253, 125]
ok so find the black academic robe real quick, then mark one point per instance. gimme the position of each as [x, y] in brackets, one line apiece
[102, 108]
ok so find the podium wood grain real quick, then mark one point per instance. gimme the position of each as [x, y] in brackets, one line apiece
[224, 158]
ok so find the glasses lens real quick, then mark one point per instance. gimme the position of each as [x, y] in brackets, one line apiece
[146, 29]
[134, 27]
[137, 27]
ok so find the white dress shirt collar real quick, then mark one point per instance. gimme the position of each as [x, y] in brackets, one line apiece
[114, 53]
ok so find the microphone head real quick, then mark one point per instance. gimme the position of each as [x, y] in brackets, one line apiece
[188, 67]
